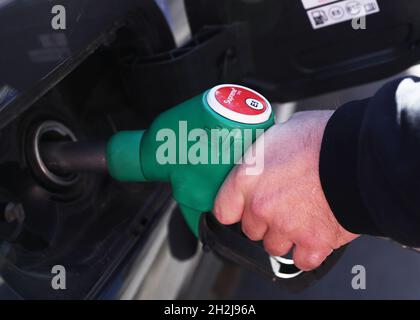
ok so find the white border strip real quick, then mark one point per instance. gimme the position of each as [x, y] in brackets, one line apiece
[309, 4]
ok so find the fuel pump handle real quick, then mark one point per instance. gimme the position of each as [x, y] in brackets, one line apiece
[194, 146]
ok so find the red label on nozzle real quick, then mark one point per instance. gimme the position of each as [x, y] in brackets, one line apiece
[241, 100]
[239, 104]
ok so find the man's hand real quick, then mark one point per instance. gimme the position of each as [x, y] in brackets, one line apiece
[285, 206]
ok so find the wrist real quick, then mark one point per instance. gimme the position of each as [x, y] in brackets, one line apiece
[338, 164]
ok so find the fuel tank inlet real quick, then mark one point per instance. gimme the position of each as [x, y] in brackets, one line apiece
[39, 137]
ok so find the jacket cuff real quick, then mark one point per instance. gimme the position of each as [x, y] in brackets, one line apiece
[338, 169]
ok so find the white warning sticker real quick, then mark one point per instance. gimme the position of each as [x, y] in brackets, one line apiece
[341, 11]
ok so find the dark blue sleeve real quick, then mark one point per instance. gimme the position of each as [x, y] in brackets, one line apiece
[370, 163]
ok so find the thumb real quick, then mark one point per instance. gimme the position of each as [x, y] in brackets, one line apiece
[230, 201]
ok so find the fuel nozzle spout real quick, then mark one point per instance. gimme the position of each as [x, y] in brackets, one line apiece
[74, 157]
[120, 156]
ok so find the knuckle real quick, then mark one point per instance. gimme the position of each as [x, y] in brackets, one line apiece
[249, 232]
[284, 224]
[309, 262]
[222, 219]
[314, 261]
[216, 210]
[225, 213]
[276, 249]
[218, 213]
[270, 248]
[259, 209]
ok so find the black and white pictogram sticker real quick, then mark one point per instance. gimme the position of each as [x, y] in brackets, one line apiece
[324, 13]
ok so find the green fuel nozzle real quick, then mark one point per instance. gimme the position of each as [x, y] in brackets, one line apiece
[193, 146]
